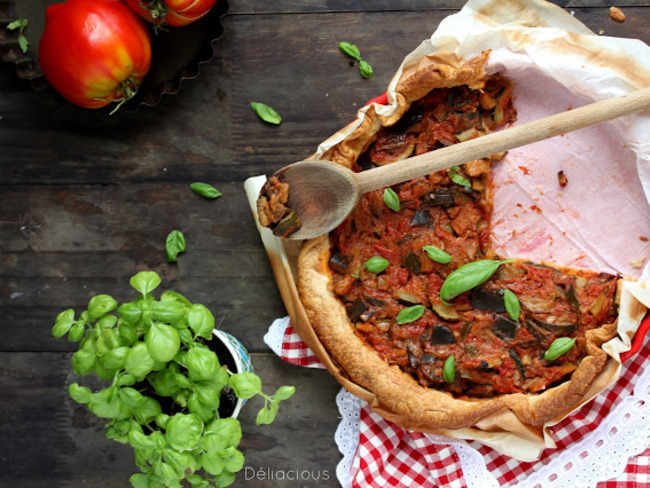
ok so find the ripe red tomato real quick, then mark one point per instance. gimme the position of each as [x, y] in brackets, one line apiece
[171, 12]
[94, 52]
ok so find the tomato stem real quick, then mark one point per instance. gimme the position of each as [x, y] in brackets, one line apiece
[127, 89]
[158, 10]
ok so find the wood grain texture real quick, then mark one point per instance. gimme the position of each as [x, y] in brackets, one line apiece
[49, 440]
[86, 200]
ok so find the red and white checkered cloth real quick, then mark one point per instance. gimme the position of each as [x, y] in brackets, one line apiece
[389, 456]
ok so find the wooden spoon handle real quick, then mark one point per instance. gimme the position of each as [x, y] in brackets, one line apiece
[503, 140]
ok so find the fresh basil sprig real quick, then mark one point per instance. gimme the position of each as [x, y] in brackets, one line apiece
[410, 314]
[205, 190]
[449, 370]
[152, 349]
[20, 25]
[174, 245]
[266, 113]
[376, 264]
[512, 304]
[436, 254]
[391, 199]
[468, 276]
[560, 346]
[353, 52]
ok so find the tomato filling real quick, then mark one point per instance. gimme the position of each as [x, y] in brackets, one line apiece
[493, 352]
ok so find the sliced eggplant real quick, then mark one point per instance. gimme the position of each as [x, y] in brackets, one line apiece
[555, 328]
[445, 312]
[520, 366]
[374, 301]
[572, 298]
[339, 263]
[504, 328]
[406, 297]
[356, 309]
[288, 225]
[412, 262]
[427, 358]
[535, 332]
[422, 218]
[441, 335]
[441, 197]
[488, 300]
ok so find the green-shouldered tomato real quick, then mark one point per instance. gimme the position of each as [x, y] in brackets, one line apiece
[94, 52]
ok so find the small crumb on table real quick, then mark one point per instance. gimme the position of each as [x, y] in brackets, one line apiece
[616, 14]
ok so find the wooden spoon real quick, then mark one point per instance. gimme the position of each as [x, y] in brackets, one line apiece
[323, 193]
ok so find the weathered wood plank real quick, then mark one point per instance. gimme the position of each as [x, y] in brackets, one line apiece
[49, 440]
[69, 244]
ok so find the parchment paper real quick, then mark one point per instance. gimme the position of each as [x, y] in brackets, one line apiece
[600, 220]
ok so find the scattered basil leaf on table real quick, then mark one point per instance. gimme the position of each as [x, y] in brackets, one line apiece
[560, 346]
[20, 25]
[436, 254]
[449, 370]
[353, 52]
[365, 69]
[391, 199]
[174, 245]
[468, 276]
[376, 264]
[266, 113]
[350, 50]
[410, 314]
[205, 190]
[512, 304]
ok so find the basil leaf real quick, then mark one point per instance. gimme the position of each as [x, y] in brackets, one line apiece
[163, 342]
[205, 190]
[184, 431]
[145, 281]
[457, 178]
[100, 305]
[202, 363]
[513, 307]
[83, 362]
[365, 69]
[560, 346]
[467, 277]
[436, 254]
[284, 393]
[246, 385]
[266, 113]
[20, 25]
[201, 320]
[449, 370]
[391, 199]
[228, 430]
[174, 245]
[350, 50]
[376, 264]
[410, 314]
[63, 322]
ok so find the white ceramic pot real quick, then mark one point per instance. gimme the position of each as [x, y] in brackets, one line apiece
[241, 357]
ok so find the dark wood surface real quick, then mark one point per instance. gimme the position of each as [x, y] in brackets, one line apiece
[87, 199]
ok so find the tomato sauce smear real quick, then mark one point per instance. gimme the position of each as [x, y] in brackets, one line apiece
[450, 210]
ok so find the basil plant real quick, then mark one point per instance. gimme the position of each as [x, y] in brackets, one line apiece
[165, 385]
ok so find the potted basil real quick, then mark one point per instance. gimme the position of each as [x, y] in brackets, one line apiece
[176, 384]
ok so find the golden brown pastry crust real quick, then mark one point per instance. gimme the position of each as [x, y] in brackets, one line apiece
[395, 390]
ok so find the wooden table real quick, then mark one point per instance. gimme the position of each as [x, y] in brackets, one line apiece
[87, 200]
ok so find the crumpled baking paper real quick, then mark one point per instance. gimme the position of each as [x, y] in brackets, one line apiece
[599, 220]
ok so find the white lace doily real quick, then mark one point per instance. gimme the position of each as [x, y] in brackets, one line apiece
[600, 455]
